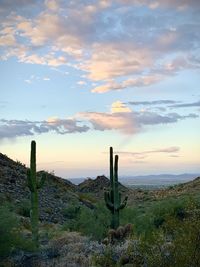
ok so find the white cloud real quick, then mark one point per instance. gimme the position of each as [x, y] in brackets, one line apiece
[17, 128]
[49, 60]
[126, 121]
[52, 4]
[81, 82]
[28, 81]
[123, 122]
[181, 5]
[134, 82]
[114, 60]
[7, 40]
[106, 39]
[121, 118]
[119, 107]
[144, 154]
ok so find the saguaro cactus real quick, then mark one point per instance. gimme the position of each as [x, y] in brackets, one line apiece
[34, 184]
[113, 196]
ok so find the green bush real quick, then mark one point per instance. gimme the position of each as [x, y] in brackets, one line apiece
[105, 259]
[8, 228]
[175, 244]
[23, 208]
[10, 235]
[71, 211]
[92, 222]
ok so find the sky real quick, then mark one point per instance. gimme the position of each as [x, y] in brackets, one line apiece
[80, 76]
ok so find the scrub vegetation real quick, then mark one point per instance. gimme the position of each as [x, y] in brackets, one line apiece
[74, 226]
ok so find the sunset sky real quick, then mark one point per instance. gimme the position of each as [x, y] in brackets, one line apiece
[81, 76]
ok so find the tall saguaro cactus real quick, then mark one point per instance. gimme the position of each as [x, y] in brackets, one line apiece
[34, 184]
[113, 196]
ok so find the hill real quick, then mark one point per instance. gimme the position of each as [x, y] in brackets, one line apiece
[59, 193]
[74, 217]
[96, 186]
[55, 197]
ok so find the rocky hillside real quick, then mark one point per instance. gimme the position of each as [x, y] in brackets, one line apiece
[97, 186]
[58, 193]
[189, 188]
[55, 196]
[64, 244]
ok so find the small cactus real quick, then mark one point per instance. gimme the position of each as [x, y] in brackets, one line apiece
[113, 197]
[120, 233]
[34, 184]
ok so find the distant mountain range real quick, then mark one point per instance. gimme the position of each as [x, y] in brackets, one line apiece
[157, 180]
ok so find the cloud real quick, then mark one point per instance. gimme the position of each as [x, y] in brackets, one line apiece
[153, 118]
[7, 40]
[119, 107]
[15, 5]
[34, 78]
[52, 4]
[49, 60]
[123, 122]
[166, 103]
[121, 118]
[134, 82]
[114, 60]
[186, 105]
[149, 103]
[81, 82]
[17, 128]
[181, 5]
[112, 42]
[130, 122]
[144, 154]
[46, 79]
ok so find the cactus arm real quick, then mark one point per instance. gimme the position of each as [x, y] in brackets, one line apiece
[41, 182]
[123, 204]
[108, 202]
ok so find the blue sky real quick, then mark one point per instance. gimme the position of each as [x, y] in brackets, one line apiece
[80, 76]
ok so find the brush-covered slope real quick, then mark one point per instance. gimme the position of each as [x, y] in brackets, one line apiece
[58, 193]
[55, 196]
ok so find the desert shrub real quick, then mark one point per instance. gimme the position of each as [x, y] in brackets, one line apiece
[100, 221]
[91, 222]
[185, 241]
[11, 237]
[140, 217]
[88, 197]
[152, 215]
[8, 226]
[175, 244]
[158, 221]
[105, 259]
[50, 231]
[23, 208]
[169, 206]
[71, 211]
[174, 239]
